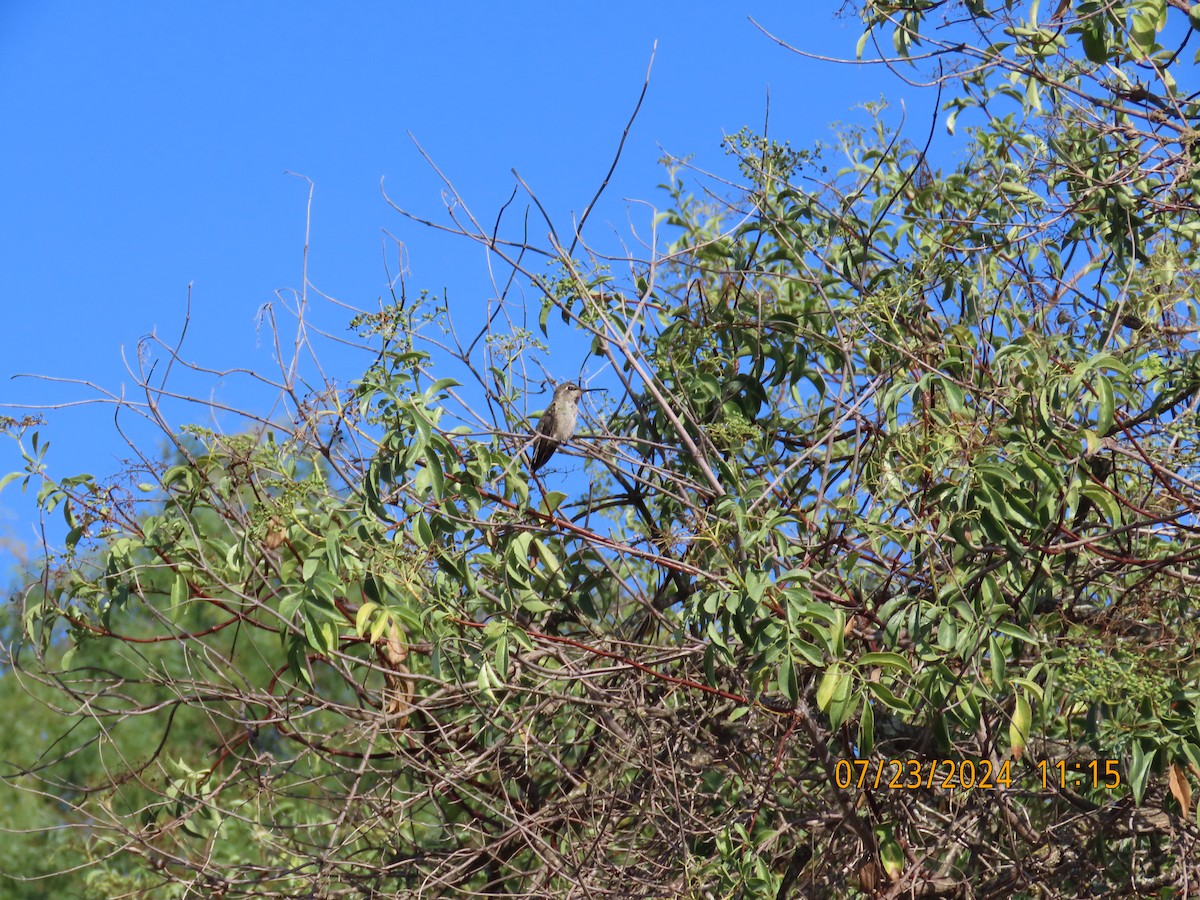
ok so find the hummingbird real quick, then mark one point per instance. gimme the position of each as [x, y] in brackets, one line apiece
[557, 423]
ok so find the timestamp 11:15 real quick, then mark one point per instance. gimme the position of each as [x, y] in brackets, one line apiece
[1095, 773]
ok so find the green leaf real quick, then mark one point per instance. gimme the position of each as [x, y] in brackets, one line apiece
[886, 659]
[422, 533]
[831, 685]
[363, 617]
[861, 45]
[433, 469]
[1033, 95]
[179, 589]
[1019, 726]
[485, 681]
[787, 681]
[379, 626]
[1139, 770]
[866, 728]
[997, 659]
[1104, 501]
[290, 603]
[441, 385]
[810, 653]
[534, 605]
[1016, 631]
[891, 855]
[1093, 38]
[947, 633]
[1107, 404]
[843, 704]
[888, 699]
[311, 565]
[502, 657]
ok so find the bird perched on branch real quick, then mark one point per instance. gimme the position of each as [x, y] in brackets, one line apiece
[557, 423]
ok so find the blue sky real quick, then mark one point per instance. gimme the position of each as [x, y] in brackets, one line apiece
[147, 144]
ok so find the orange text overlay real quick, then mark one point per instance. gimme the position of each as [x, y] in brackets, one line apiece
[969, 774]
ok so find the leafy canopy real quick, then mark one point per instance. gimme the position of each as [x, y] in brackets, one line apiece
[898, 462]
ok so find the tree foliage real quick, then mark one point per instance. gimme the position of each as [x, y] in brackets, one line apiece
[899, 464]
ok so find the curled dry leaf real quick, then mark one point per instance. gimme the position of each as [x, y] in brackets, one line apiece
[1181, 789]
[400, 690]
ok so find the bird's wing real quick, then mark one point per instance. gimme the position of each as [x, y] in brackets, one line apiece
[543, 449]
